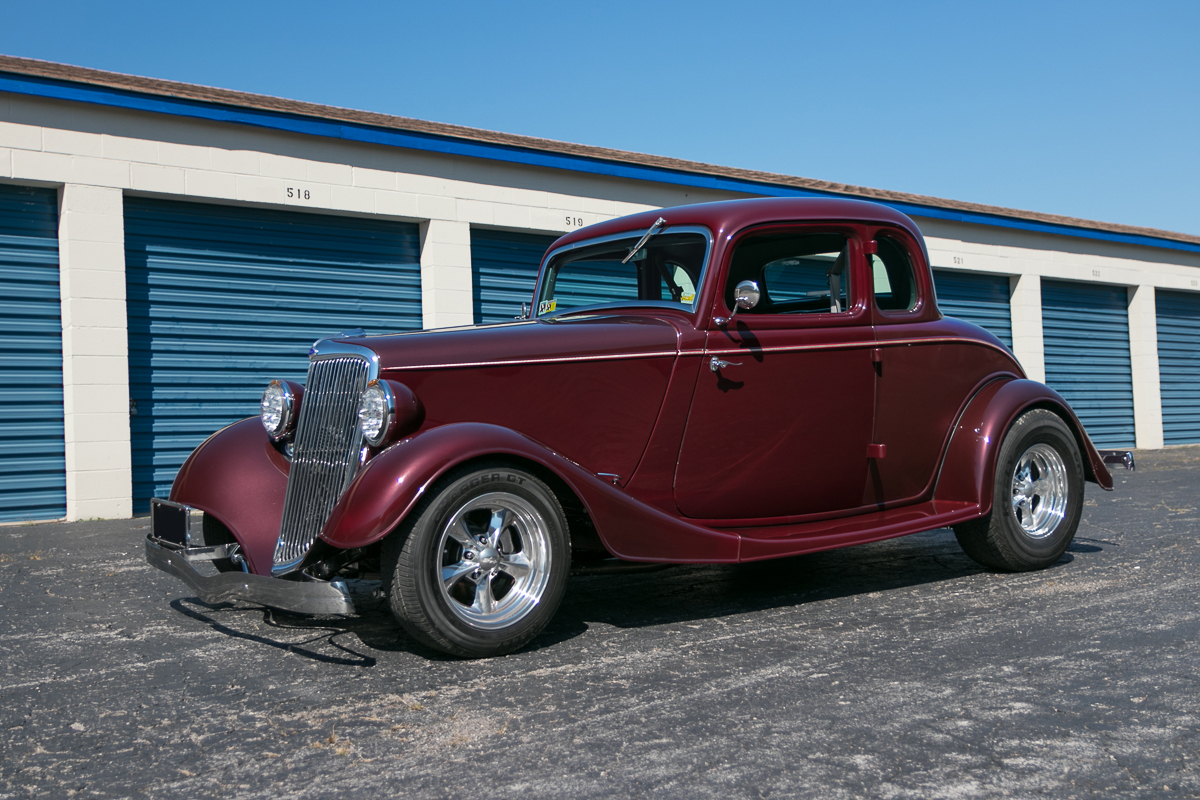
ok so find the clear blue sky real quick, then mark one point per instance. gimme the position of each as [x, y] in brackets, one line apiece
[1084, 109]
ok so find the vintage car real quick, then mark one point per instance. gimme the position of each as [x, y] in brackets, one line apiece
[715, 383]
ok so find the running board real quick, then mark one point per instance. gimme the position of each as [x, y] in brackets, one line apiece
[811, 537]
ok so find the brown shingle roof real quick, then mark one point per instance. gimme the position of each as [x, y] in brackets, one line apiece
[246, 100]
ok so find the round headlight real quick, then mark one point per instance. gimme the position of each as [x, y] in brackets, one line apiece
[376, 410]
[277, 406]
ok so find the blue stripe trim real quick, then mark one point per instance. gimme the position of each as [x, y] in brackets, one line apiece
[356, 132]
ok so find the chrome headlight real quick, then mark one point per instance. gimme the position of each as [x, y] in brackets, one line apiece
[376, 411]
[278, 410]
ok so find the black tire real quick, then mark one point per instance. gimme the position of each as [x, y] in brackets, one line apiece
[520, 565]
[1029, 527]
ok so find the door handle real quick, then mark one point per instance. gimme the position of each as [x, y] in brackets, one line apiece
[716, 364]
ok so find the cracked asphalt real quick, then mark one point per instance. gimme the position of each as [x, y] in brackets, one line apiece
[895, 670]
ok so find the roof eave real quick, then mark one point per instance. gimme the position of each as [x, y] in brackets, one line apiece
[751, 181]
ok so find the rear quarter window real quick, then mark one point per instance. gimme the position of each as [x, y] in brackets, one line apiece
[895, 281]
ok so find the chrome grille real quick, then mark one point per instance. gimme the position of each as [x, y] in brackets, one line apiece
[325, 455]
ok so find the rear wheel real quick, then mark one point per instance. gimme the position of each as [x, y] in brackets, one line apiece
[1037, 498]
[479, 568]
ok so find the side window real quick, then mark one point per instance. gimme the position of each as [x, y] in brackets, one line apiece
[895, 281]
[796, 273]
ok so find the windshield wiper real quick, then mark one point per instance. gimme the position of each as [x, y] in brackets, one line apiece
[655, 228]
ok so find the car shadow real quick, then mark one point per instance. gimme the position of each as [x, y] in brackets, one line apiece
[1082, 545]
[684, 594]
[693, 593]
[677, 594]
[322, 639]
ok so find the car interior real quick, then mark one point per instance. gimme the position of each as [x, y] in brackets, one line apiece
[796, 273]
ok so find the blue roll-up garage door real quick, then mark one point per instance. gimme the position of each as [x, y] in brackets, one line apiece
[979, 299]
[1178, 322]
[223, 299]
[1085, 331]
[33, 478]
[504, 267]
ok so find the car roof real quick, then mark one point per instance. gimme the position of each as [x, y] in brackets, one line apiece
[728, 216]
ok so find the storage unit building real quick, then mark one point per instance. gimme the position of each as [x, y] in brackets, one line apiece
[166, 249]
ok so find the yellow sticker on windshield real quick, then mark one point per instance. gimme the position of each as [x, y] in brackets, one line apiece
[687, 298]
[546, 306]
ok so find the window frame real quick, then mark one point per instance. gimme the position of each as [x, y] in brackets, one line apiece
[921, 310]
[684, 308]
[858, 312]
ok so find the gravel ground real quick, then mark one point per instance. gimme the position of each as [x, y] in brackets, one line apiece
[898, 669]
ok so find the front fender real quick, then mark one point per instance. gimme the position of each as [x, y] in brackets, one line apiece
[392, 483]
[239, 477]
[969, 469]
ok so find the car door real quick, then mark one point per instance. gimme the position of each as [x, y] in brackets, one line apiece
[924, 374]
[783, 409]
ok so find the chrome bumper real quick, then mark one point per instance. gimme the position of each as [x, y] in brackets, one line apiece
[169, 548]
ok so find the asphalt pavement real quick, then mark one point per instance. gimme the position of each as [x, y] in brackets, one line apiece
[893, 670]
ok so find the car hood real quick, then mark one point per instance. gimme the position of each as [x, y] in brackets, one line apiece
[586, 387]
[565, 339]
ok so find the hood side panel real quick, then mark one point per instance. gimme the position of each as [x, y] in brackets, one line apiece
[599, 414]
[589, 388]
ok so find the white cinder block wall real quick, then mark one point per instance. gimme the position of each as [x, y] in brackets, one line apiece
[1025, 308]
[91, 251]
[446, 273]
[95, 156]
[1143, 356]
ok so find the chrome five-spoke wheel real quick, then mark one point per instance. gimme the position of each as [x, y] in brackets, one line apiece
[480, 565]
[1039, 490]
[495, 558]
[1037, 497]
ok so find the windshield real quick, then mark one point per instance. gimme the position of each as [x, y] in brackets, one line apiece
[664, 271]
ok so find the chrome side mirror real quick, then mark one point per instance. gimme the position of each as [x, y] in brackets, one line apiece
[746, 295]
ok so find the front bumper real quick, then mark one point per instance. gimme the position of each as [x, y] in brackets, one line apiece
[169, 548]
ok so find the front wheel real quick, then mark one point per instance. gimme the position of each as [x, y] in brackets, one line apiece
[479, 568]
[1037, 498]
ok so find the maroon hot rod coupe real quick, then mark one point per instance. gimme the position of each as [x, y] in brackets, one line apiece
[714, 383]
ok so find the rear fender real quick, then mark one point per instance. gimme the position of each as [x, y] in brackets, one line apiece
[239, 477]
[969, 469]
[394, 481]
